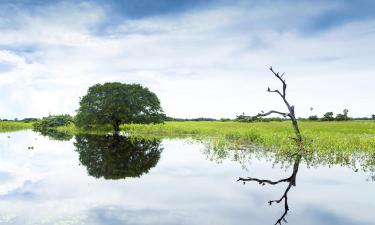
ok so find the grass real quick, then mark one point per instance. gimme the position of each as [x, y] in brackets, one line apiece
[323, 136]
[10, 126]
[327, 136]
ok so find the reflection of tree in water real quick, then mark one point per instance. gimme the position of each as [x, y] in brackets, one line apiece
[291, 182]
[54, 134]
[115, 156]
[243, 154]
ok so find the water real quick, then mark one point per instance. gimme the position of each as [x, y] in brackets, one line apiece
[85, 181]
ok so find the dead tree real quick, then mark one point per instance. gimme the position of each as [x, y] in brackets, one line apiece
[291, 182]
[290, 114]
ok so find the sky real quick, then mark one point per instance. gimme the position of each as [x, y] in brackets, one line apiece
[203, 58]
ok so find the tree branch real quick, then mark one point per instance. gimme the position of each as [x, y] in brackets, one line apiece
[291, 182]
[280, 77]
[263, 182]
[276, 91]
[291, 113]
[271, 112]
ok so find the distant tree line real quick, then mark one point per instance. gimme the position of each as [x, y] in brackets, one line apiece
[328, 116]
[186, 119]
[249, 119]
[25, 120]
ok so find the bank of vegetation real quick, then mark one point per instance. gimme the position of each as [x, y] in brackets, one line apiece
[324, 136]
[11, 126]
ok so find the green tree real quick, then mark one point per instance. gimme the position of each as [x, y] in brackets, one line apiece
[314, 117]
[116, 103]
[344, 116]
[340, 117]
[373, 116]
[328, 116]
[52, 122]
[115, 156]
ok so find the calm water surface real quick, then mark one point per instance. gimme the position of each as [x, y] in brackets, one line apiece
[106, 180]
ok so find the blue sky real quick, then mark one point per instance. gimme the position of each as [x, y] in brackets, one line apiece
[202, 58]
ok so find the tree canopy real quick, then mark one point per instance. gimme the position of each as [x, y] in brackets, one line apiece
[328, 116]
[116, 103]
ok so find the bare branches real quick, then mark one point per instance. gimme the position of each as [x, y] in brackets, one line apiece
[291, 113]
[282, 218]
[284, 197]
[280, 77]
[286, 206]
[272, 112]
[263, 182]
[291, 182]
[276, 91]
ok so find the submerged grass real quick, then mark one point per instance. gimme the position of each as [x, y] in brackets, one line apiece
[10, 126]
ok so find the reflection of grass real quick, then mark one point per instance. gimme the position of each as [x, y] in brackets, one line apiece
[9, 126]
[73, 130]
[325, 136]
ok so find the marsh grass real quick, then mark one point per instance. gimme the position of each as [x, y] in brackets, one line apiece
[323, 136]
[10, 126]
[350, 144]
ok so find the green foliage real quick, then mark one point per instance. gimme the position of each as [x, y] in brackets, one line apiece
[47, 126]
[341, 117]
[249, 119]
[314, 117]
[328, 116]
[52, 122]
[373, 116]
[10, 126]
[29, 120]
[168, 118]
[116, 103]
[55, 134]
[344, 116]
[115, 156]
[244, 118]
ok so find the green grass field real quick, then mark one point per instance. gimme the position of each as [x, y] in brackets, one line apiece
[324, 136]
[10, 126]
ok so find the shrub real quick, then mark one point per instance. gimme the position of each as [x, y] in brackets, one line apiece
[314, 117]
[52, 122]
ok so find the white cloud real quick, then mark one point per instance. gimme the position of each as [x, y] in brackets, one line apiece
[210, 62]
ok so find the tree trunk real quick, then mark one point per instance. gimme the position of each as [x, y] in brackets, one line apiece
[291, 113]
[116, 126]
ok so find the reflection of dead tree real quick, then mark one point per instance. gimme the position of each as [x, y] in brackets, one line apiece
[291, 113]
[291, 182]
